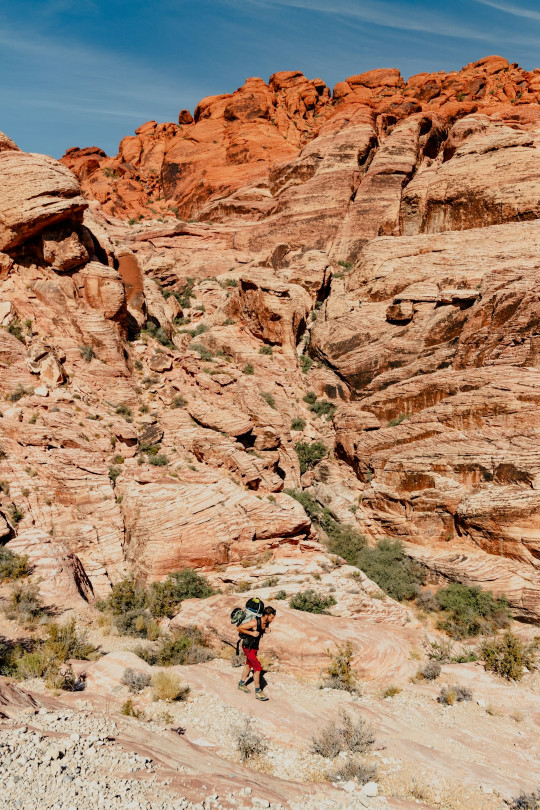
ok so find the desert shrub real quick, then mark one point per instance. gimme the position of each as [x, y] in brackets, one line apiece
[25, 604]
[188, 646]
[249, 742]
[204, 353]
[454, 694]
[469, 611]
[248, 369]
[391, 691]
[178, 402]
[165, 597]
[344, 734]
[64, 678]
[87, 353]
[66, 641]
[309, 454]
[425, 600]
[13, 566]
[526, 801]
[353, 768]
[135, 680]
[340, 673]
[32, 664]
[508, 656]
[441, 651]
[266, 350]
[388, 566]
[168, 687]
[15, 514]
[430, 671]
[311, 602]
[15, 329]
[306, 363]
[397, 420]
[7, 659]
[114, 472]
[344, 541]
[159, 333]
[129, 710]
[269, 399]
[124, 410]
[323, 408]
[280, 595]
[159, 460]
[19, 393]
[138, 623]
[125, 596]
[298, 423]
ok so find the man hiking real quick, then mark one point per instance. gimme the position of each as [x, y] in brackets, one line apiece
[250, 636]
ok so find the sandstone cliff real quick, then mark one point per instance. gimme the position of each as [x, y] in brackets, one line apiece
[377, 246]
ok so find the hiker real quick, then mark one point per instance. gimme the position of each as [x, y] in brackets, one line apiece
[250, 636]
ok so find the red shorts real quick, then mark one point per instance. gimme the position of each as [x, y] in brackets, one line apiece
[252, 659]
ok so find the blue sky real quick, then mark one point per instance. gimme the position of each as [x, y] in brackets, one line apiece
[88, 72]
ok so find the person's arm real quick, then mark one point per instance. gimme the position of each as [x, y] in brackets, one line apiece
[249, 628]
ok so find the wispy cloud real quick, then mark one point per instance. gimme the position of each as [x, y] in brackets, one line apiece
[404, 17]
[516, 11]
[86, 80]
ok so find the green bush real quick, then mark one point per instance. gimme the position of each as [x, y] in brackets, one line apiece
[340, 673]
[15, 514]
[310, 454]
[187, 646]
[87, 353]
[159, 460]
[388, 566]
[125, 596]
[138, 623]
[323, 408]
[12, 566]
[165, 597]
[248, 369]
[306, 363]
[19, 393]
[25, 604]
[159, 333]
[204, 353]
[508, 656]
[280, 595]
[266, 350]
[298, 423]
[397, 420]
[526, 801]
[356, 736]
[311, 601]
[269, 399]
[125, 411]
[178, 402]
[470, 611]
[114, 472]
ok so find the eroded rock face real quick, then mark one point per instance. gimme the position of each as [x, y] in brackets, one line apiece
[363, 274]
[37, 191]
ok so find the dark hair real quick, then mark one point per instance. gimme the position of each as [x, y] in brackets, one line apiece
[269, 611]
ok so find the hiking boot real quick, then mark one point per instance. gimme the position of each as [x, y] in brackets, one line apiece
[259, 694]
[243, 687]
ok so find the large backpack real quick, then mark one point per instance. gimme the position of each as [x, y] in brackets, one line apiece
[254, 609]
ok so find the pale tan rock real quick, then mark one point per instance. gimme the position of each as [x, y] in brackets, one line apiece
[63, 248]
[37, 191]
[160, 362]
[7, 313]
[61, 577]
[103, 289]
[274, 311]
[7, 145]
[175, 524]
[219, 418]
[156, 306]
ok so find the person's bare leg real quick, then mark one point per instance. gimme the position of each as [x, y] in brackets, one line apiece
[245, 672]
[257, 679]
